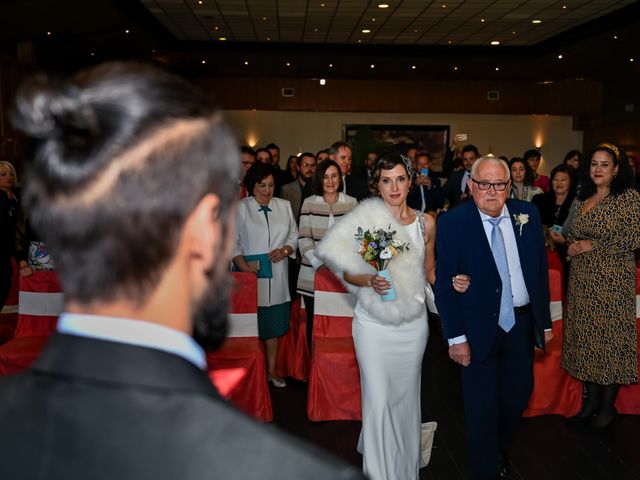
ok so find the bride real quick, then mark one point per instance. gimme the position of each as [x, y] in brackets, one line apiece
[390, 337]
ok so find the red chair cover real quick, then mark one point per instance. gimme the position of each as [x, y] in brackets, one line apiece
[555, 391]
[334, 379]
[293, 352]
[238, 368]
[40, 303]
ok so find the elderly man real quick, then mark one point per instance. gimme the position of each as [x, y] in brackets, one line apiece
[133, 187]
[492, 327]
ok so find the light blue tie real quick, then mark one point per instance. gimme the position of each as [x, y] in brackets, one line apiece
[507, 316]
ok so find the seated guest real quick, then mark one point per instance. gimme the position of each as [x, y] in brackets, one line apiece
[456, 190]
[248, 156]
[532, 157]
[136, 202]
[426, 194]
[522, 180]
[319, 212]
[265, 226]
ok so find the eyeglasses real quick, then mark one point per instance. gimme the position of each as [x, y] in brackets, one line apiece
[308, 165]
[498, 186]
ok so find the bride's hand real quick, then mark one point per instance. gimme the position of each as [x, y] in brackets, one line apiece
[461, 282]
[379, 284]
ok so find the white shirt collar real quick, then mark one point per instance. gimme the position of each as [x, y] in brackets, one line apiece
[133, 332]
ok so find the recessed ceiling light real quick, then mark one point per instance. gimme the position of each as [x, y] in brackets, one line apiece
[450, 42]
[288, 64]
[322, 4]
[631, 60]
[93, 54]
[497, 69]
[560, 57]
[331, 65]
[200, 2]
[323, 81]
[222, 39]
[366, 30]
[246, 63]
[455, 68]
[444, 6]
[204, 61]
[513, 33]
[373, 19]
[383, 5]
[268, 39]
[49, 33]
[373, 66]
[615, 37]
[482, 20]
[536, 21]
[495, 42]
[127, 31]
[564, 7]
[315, 29]
[264, 18]
[216, 27]
[359, 41]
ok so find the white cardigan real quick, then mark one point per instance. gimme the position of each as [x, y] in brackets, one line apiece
[254, 236]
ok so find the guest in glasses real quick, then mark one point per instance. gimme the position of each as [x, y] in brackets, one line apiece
[493, 326]
[265, 227]
[121, 391]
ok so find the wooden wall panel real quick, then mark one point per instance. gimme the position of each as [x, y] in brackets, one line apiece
[562, 98]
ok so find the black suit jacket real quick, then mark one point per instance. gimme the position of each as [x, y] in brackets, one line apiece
[433, 196]
[356, 186]
[92, 409]
[452, 190]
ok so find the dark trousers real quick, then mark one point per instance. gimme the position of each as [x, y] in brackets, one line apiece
[496, 392]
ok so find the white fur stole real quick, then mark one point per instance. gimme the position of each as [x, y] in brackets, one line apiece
[339, 250]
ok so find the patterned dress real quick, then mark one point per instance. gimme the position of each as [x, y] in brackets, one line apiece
[599, 342]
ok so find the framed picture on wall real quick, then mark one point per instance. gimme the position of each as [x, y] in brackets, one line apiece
[384, 139]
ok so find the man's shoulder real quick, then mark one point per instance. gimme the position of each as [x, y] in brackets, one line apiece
[520, 206]
[460, 213]
[291, 187]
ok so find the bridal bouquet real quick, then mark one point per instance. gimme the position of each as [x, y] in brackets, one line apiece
[377, 248]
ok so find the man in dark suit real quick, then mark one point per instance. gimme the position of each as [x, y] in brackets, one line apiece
[133, 187]
[493, 326]
[425, 194]
[456, 190]
[354, 185]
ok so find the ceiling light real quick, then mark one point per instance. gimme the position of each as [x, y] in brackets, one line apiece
[322, 4]
[222, 39]
[288, 64]
[615, 37]
[536, 21]
[455, 68]
[268, 39]
[482, 20]
[373, 66]
[323, 82]
[366, 30]
[383, 5]
[215, 28]
[450, 42]
[564, 7]
[49, 33]
[513, 33]
[127, 31]
[93, 54]
[246, 63]
[497, 69]
[199, 2]
[331, 65]
[444, 6]
[415, 30]
[264, 18]
[413, 67]
[560, 57]
[315, 29]
[204, 61]
[359, 41]
[495, 42]
[631, 60]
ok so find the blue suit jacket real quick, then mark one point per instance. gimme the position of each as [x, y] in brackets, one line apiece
[462, 247]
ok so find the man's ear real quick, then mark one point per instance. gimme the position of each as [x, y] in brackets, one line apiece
[203, 231]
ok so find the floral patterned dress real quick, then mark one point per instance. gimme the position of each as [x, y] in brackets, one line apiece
[599, 342]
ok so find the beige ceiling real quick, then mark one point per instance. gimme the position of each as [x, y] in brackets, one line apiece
[404, 22]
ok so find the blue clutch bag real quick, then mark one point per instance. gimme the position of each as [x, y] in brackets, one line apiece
[264, 264]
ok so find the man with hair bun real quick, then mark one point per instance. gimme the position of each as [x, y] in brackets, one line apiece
[133, 187]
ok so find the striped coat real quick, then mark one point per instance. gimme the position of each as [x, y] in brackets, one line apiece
[316, 216]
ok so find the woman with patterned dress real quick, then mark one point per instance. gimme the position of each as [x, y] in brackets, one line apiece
[389, 336]
[265, 226]
[600, 345]
[318, 213]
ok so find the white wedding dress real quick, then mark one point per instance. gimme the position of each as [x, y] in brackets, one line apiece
[390, 361]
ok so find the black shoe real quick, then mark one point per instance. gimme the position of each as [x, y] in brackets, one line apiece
[602, 421]
[580, 420]
[504, 468]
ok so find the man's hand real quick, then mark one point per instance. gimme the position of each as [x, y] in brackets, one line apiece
[460, 353]
[548, 336]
